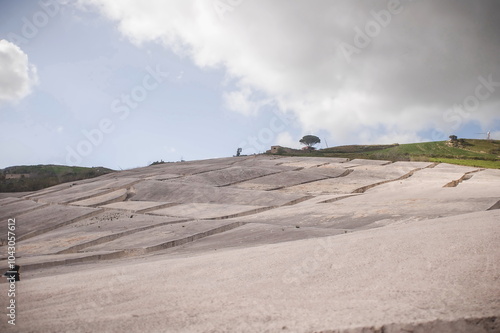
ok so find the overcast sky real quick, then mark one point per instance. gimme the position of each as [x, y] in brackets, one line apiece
[124, 83]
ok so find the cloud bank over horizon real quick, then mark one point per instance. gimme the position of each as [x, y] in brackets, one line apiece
[387, 71]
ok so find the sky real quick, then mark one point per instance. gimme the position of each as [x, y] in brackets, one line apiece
[122, 84]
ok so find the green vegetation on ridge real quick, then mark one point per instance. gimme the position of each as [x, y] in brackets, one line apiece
[479, 153]
[26, 178]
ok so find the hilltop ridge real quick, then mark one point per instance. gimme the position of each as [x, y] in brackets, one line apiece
[470, 152]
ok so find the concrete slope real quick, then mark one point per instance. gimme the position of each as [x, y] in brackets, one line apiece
[418, 272]
[260, 244]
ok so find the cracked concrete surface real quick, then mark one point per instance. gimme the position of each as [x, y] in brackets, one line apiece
[261, 244]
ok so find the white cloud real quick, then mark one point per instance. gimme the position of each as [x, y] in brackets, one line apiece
[425, 60]
[285, 139]
[243, 101]
[17, 75]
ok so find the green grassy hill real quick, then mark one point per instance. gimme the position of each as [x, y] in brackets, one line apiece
[27, 178]
[479, 153]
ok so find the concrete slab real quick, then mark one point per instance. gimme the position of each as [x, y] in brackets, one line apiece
[309, 162]
[281, 180]
[189, 168]
[138, 206]
[33, 262]
[163, 176]
[251, 234]
[180, 192]
[92, 231]
[48, 218]
[292, 265]
[422, 182]
[4, 195]
[381, 205]
[230, 175]
[18, 207]
[454, 168]
[166, 236]
[115, 196]
[84, 191]
[358, 162]
[361, 176]
[274, 162]
[208, 211]
[413, 273]
[89, 183]
[412, 164]
[8, 200]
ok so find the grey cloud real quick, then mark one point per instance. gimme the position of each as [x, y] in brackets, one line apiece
[426, 57]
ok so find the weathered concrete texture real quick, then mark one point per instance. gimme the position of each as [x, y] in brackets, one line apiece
[180, 192]
[464, 325]
[16, 207]
[358, 162]
[207, 211]
[163, 176]
[166, 236]
[44, 261]
[301, 163]
[8, 199]
[443, 269]
[48, 218]
[359, 177]
[139, 206]
[261, 244]
[72, 193]
[274, 162]
[229, 176]
[184, 168]
[115, 196]
[410, 199]
[253, 234]
[292, 178]
[13, 195]
[91, 231]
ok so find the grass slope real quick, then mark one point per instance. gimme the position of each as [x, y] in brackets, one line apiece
[479, 153]
[37, 177]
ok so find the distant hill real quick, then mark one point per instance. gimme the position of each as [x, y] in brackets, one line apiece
[26, 178]
[478, 153]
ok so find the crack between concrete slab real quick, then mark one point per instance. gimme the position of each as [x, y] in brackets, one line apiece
[346, 173]
[495, 206]
[405, 176]
[482, 324]
[466, 176]
[113, 189]
[249, 179]
[167, 205]
[112, 237]
[7, 203]
[39, 197]
[338, 198]
[45, 230]
[42, 205]
[246, 213]
[137, 251]
[194, 237]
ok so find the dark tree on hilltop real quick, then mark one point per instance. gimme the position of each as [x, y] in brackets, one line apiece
[310, 140]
